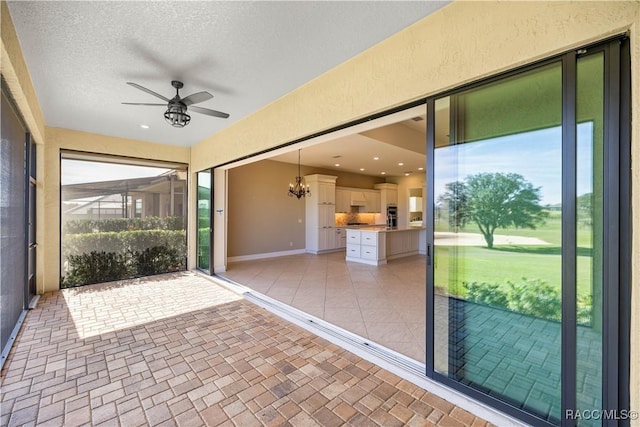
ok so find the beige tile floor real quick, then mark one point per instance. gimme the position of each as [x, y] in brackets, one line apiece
[386, 304]
[181, 350]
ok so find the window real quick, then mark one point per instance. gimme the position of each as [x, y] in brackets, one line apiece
[120, 219]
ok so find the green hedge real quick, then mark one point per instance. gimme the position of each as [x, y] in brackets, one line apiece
[83, 226]
[104, 250]
[533, 297]
[124, 241]
[100, 266]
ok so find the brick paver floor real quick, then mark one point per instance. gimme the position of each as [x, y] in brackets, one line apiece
[181, 350]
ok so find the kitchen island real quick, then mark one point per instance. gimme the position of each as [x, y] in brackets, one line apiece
[376, 245]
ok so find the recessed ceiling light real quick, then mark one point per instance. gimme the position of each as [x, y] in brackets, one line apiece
[407, 173]
[337, 164]
[383, 173]
[361, 169]
[376, 158]
[420, 169]
[144, 126]
[400, 164]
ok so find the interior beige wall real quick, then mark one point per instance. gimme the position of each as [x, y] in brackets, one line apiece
[65, 139]
[261, 217]
[462, 42]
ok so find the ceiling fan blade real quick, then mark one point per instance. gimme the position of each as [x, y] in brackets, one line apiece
[194, 98]
[144, 103]
[209, 112]
[149, 91]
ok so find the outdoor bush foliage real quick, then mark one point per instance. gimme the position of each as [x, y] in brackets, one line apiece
[485, 293]
[83, 226]
[95, 267]
[157, 260]
[120, 248]
[532, 297]
[583, 310]
[98, 267]
[536, 298]
[124, 241]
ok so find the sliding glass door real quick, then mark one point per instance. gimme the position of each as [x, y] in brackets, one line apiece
[521, 280]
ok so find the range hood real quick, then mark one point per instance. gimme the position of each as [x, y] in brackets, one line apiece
[358, 199]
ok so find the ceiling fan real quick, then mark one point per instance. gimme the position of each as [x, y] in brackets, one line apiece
[176, 114]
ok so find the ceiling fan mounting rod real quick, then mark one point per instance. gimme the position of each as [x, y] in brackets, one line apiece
[177, 84]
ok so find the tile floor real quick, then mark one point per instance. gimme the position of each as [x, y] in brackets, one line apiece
[386, 304]
[181, 350]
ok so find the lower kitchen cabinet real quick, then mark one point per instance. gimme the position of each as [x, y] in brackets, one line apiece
[366, 246]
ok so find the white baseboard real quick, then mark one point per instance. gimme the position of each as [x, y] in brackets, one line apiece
[265, 255]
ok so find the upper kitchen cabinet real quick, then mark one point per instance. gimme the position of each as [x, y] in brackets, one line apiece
[372, 198]
[343, 200]
[323, 188]
[388, 195]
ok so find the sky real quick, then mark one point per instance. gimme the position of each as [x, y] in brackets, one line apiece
[535, 155]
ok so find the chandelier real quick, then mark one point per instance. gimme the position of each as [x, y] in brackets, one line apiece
[299, 190]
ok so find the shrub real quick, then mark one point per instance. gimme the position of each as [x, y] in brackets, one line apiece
[83, 226]
[532, 297]
[536, 298]
[157, 260]
[485, 293]
[95, 267]
[584, 310]
[99, 267]
[124, 241]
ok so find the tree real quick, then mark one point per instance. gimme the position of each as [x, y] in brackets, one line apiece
[494, 200]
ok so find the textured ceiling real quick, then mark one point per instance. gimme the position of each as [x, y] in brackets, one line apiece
[247, 54]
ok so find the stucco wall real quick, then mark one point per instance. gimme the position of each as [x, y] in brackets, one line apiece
[460, 43]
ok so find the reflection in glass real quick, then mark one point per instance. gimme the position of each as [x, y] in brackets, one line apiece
[497, 221]
[204, 219]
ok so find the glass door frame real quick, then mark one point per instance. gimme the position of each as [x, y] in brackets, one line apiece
[616, 237]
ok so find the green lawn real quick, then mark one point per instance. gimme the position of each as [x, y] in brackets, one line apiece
[457, 264]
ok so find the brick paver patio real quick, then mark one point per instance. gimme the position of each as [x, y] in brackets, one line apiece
[181, 350]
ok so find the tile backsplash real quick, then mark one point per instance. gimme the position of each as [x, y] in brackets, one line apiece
[350, 217]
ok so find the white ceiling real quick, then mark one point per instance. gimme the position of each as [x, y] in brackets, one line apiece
[247, 54]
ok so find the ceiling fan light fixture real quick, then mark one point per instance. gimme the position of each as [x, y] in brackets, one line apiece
[176, 115]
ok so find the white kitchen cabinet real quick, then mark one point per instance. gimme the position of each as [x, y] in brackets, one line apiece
[340, 238]
[388, 195]
[343, 200]
[372, 198]
[320, 214]
[365, 246]
[403, 243]
[326, 216]
[376, 246]
[326, 193]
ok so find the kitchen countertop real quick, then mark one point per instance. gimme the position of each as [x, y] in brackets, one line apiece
[383, 228]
